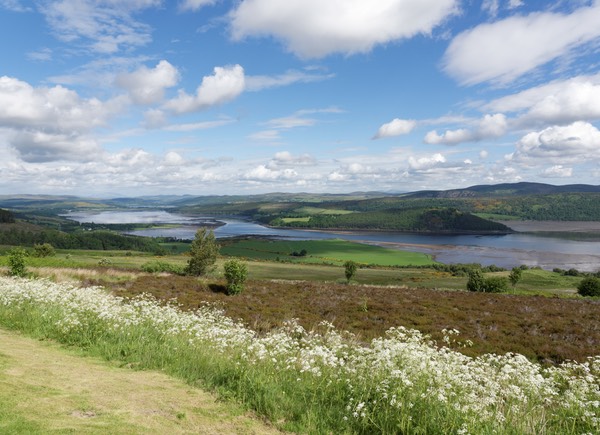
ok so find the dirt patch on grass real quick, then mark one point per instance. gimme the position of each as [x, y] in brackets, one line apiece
[545, 329]
[44, 388]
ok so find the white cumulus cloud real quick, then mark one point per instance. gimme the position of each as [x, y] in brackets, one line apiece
[147, 86]
[490, 126]
[315, 28]
[426, 162]
[506, 49]
[395, 127]
[577, 142]
[224, 85]
[557, 171]
[51, 123]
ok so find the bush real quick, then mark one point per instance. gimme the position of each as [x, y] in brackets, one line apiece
[572, 272]
[350, 270]
[478, 283]
[235, 274]
[589, 286]
[104, 262]
[495, 284]
[16, 262]
[515, 275]
[43, 250]
[160, 267]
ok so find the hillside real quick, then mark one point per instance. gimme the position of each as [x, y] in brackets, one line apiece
[504, 190]
[477, 205]
[434, 220]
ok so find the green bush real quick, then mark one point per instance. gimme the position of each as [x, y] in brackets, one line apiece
[104, 262]
[43, 250]
[160, 267]
[495, 284]
[478, 283]
[589, 286]
[235, 274]
[515, 275]
[16, 262]
[350, 270]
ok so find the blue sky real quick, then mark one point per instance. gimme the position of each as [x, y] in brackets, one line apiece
[137, 97]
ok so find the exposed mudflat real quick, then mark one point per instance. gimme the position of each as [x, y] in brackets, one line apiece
[554, 226]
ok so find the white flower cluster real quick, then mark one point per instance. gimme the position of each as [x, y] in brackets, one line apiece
[394, 376]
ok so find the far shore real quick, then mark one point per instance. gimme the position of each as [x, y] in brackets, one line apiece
[553, 226]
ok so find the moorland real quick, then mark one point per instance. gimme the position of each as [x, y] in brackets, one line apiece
[294, 286]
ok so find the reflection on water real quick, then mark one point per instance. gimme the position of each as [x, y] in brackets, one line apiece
[502, 250]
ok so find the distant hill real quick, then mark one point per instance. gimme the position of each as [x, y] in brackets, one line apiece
[504, 190]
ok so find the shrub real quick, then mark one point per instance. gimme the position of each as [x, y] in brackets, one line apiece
[203, 253]
[350, 270]
[235, 274]
[104, 262]
[43, 250]
[572, 272]
[160, 267]
[478, 283]
[515, 275]
[16, 262]
[589, 286]
[495, 284]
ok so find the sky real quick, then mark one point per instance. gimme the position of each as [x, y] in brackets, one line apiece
[147, 97]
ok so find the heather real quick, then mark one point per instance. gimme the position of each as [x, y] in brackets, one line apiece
[320, 380]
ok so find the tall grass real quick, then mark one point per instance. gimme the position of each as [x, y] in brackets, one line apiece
[316, 381]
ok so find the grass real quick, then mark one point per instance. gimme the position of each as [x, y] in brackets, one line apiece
[321, 381]
[51, 389]
[325, 252]
[317, 210]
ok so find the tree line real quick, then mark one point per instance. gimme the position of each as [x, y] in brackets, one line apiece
[426, 220]
[96, 240]
[6, 217]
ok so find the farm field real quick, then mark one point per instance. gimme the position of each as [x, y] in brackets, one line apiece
[334, 252]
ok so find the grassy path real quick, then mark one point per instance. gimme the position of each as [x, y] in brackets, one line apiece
[48, 389]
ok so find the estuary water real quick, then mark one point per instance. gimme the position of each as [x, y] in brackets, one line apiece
[547, 251]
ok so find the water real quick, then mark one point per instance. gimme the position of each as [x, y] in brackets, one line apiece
[502, 250]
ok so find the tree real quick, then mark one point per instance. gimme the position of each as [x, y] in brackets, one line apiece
[236, 273]
[476, 281]
[203, 253]
[350, 269]
[43, 250]
[515, 276]
[589, 286]
[16, 262]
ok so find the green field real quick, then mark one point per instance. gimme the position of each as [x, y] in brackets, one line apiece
[334, 252]
[317, 210]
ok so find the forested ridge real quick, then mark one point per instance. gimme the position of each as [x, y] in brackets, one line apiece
[418, 220]
[473, 209]
[6, 217]
[97, 240]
